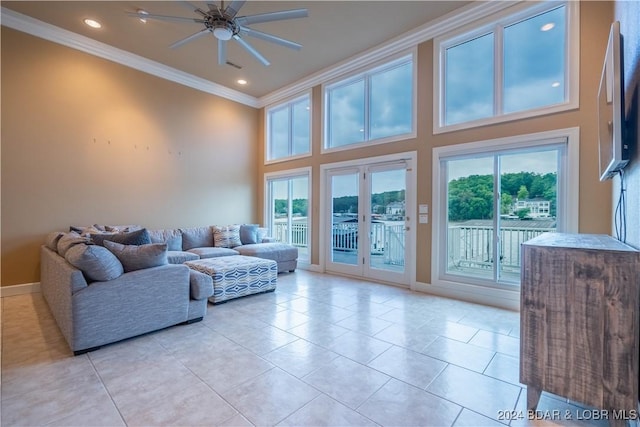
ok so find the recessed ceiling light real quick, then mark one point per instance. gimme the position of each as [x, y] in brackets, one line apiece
[548, 26]
[92, 23]
[555, 84]
[141, 13]
[242, 82]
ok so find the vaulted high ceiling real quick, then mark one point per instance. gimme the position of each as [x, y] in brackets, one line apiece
[333, 32]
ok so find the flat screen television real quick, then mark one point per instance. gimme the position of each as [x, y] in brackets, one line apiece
[614, 152]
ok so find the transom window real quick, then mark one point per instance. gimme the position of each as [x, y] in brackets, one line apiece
[289, 129]
[521, 65]
[372, 107]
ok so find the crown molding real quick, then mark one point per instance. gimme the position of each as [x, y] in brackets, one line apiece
[451, 21]
[46, 31]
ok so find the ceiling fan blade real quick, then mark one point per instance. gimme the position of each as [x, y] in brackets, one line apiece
[222, 52]
[164, 17]
[192, 7]
[272, 16]
[188, 39]
[270, 38]
[252, 51]
[234, 7]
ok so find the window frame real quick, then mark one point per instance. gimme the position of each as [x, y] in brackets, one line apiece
[365, 74]
[496, 24]
[443, 283]
[288, 104]
[305, 172]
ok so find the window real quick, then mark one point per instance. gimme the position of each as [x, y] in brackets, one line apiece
[287, 215]
[493, 195]
[520, 65]
[288, 129]
[377, 105]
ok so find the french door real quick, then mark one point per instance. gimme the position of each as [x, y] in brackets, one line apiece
[367, 231]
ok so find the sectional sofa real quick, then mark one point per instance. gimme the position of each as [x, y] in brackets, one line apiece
[106, 284]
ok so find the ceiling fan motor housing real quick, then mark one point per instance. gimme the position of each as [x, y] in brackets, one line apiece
[221, 27]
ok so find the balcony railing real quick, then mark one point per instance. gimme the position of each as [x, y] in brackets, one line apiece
[469, 247]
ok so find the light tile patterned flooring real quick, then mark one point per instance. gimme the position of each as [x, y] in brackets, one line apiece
[320, 350]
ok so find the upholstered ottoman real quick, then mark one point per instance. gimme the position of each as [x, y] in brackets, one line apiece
[236, 276]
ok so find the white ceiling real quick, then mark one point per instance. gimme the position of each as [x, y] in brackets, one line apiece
[333, 32]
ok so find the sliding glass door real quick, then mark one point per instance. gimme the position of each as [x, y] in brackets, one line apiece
[485, 227]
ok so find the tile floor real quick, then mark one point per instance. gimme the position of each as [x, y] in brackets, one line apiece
[320, 350]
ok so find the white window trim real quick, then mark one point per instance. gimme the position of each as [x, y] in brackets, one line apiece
[486, 25]
[360, 73]
[267, 133]
[291, 173]
[504, 297]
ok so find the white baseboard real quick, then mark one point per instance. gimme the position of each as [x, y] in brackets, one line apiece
[316, 268]
[506, 299]
[25, 288]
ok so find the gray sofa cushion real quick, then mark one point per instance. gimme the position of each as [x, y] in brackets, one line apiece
[249, 234]
[96, 262]
[226, 236]
[69, 240]
[52, 239]
[138, 237]
[138, 257]
[178, 257]
[172, 237]
[197, 237]
[212, 252]
[275, 251]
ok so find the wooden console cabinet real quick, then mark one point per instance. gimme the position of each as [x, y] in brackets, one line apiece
[579, 320]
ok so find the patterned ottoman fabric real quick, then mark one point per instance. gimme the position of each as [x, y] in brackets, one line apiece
[236, 276]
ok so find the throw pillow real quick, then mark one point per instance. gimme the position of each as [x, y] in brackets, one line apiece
[96, 262]
[139, 237]
[89, 229]
[226, 237]
[52, 239]
[122, 228]
[172, 237]
[199, 237]
[69, 240]
[262, 234]
[249, 234]
[138, 257]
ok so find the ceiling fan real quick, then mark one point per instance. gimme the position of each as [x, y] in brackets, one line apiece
[225, 25]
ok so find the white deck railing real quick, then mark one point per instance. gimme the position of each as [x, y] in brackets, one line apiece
[472, 246]
[468, 247]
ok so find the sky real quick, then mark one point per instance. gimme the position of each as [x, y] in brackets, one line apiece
[534, 63]
[540, 162]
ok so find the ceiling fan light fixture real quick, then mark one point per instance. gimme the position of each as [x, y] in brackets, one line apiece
[141, 14]
[223, 32]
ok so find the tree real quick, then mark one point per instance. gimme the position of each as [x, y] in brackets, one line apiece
[506, 202]
[523, 185]
[523, 193]
[523, 213]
